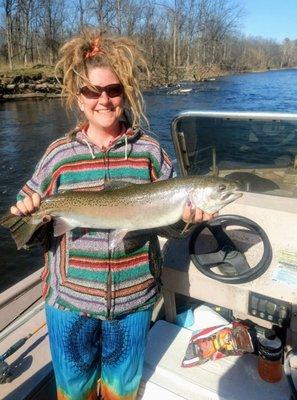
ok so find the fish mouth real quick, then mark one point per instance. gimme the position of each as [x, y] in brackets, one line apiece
[229, 196]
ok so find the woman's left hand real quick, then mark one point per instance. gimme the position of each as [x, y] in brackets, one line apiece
[196, 215]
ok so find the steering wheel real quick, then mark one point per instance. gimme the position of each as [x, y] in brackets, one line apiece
[231, 262]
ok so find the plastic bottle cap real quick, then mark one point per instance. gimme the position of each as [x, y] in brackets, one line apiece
[270, 346]
[270, 334]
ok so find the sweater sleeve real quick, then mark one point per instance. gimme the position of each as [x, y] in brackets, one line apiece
[41, 180]
[41, 183]
[161, 166]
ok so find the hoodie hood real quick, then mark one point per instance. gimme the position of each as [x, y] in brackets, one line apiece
[125, 138]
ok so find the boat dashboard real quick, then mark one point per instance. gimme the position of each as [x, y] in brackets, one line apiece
[259, 150]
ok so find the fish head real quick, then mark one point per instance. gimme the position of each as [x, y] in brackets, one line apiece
[213, 193]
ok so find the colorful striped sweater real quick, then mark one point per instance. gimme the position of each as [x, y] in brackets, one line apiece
[81, 273]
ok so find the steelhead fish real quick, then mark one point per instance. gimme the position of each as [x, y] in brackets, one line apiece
[129, 208]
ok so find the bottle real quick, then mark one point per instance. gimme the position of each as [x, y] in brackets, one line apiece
[270, 357]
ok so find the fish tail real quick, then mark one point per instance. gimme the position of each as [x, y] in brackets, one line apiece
[21, 228]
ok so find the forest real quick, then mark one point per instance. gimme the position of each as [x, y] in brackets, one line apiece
[182, 39]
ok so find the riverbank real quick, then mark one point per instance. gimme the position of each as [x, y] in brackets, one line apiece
[39, 81]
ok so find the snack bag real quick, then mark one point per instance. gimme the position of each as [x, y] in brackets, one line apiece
[216, 342]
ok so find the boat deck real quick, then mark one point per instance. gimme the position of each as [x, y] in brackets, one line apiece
[31, 364]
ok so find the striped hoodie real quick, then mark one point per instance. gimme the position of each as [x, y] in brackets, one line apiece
[81, 273]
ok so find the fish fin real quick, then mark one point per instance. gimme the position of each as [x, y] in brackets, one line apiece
[185, 230]
[116, 236]
[116, 184]
[191, 216]
[21, 228]
[63, 225]
[190, 196]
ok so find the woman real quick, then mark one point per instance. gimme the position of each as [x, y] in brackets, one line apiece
[99, 301]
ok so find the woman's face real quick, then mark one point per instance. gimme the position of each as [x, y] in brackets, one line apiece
[104, 112]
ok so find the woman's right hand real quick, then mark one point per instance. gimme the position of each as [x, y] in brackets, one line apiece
[27, 206]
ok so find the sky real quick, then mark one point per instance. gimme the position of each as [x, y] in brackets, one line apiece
[271, 19]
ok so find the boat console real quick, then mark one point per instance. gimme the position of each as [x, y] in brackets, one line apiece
[260, 151]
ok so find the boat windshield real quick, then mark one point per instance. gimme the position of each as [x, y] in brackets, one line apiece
[257, 149]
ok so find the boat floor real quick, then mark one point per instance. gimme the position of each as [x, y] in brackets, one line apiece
[231, 378]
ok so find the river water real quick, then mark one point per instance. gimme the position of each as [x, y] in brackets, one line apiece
[28, 126]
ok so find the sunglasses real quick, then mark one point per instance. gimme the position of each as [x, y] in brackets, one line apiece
[113, 90]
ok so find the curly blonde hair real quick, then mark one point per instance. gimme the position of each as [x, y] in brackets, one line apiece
[96, 49]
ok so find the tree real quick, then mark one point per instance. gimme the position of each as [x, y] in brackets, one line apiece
[9, 6]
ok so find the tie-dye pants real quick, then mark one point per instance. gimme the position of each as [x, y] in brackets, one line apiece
[87, 350]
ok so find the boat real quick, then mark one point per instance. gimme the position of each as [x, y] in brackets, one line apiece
[258, 231]
[180, 91]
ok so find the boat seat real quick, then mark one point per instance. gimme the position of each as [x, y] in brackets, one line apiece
[230, 378]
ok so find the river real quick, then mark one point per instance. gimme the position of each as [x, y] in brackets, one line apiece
[28, 126]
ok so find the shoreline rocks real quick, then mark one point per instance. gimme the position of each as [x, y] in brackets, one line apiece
[25, 86]
[43, 84]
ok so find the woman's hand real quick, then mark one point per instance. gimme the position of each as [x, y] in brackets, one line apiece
[195, 215]
[27, 206]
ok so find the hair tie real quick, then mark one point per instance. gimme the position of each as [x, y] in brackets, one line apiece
[95, 49]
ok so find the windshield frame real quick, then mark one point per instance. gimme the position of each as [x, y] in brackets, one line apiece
[179, 138]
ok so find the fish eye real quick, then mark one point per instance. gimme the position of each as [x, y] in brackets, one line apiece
[222, 187]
